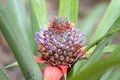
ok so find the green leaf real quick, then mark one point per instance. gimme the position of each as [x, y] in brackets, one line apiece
[3, 76]
[96, 53]
[19, 45]
[106, 75]
[95, 57]
[38, 13]
[64, 8]
[101, 45]
[89, 22]
[115, 75]
[109, 48]
[109, 18]
[69, 9]
[75, 68]
[38, 18]
[14, 64]
[98, 68]
[19, 17]
[74, 11]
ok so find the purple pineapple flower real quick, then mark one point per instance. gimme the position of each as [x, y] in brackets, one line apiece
[60, 44]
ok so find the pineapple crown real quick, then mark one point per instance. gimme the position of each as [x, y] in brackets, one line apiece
[60, 24]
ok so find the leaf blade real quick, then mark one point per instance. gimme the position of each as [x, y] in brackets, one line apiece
[69, 9]
[88, 23]
[39, 12]
[38, 19]
[107, 21]
[2, 75]
[98, 69]
[19, 46]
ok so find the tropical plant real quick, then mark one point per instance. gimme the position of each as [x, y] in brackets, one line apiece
[19, 32]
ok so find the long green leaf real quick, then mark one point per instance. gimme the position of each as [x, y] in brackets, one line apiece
[75, 68]
[69, 9]
[107, 74]
[101, 45]
[64, 8]
[17, 11]
[38, 13]
[95, 71]
[88, 23]
[3, 76]
[17, 42]
[38, 18]
[96, 53]
[109, 18]
[95, 57]
[74, 11]
[115, 75]
[98, 68]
